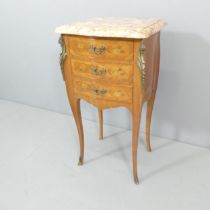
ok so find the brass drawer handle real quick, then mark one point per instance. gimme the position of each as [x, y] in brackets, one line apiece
[100, 72]
[98, 51]
[98, 92]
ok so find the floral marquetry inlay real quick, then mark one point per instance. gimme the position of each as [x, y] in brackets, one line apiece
[104, 71]
[105, 92]
[101, 49]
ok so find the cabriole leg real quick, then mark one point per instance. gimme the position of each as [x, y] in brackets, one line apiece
[75, 106]
[136, 116]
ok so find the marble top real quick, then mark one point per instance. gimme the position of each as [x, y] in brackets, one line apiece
[114, 27]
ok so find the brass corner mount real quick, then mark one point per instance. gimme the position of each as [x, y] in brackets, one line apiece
[63, 55]
[142, 60]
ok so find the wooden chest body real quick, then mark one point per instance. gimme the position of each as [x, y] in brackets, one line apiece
[111, 72]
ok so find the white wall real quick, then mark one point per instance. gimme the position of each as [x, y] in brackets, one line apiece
[30, 74]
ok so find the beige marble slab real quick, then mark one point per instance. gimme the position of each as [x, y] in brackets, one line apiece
[114, 27]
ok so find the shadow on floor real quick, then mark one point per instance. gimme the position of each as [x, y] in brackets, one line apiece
[172, 164]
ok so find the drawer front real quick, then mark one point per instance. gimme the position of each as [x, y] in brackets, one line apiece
[104, 71]
[96, 90]
[101, 49]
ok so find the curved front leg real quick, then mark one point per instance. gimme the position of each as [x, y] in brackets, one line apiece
[136, 117]
[75, 107]
[73, 100]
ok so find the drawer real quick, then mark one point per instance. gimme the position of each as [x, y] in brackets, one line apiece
[101, 49]
[103, 71]
[96, 90]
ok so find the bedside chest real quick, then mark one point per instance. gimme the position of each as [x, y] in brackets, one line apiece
[112, 62]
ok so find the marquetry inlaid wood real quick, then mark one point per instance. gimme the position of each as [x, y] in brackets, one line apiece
[105, 49]
[103, 71]
[103, 91]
